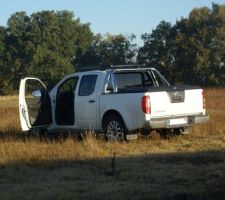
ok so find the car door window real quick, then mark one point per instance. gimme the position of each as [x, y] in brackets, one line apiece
[67, 88]
[87, 85]
[33, 85]
[38, 103]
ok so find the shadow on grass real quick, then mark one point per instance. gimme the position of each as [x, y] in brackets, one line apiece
[153, 176]
[14, 134]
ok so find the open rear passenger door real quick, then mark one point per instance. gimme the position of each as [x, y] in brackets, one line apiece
[34, 104]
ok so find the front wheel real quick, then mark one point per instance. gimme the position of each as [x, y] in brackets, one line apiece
[114, 128]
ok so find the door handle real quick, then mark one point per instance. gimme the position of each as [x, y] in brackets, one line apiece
[91, 101]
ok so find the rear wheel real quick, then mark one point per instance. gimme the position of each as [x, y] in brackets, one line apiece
[114, 128]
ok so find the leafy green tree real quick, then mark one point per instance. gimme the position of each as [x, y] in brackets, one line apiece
[15, 56]
[108, 50]
[51, 44]
[200, 43]
[44, 44]
[58, 38]
[2, 49]
[191, 51]
[158, 50]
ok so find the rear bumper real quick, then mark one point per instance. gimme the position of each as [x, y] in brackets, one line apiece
[175, 122]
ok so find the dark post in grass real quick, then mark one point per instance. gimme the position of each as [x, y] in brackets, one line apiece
[114, 164]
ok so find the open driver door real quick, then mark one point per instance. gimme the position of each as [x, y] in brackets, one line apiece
[34, 105]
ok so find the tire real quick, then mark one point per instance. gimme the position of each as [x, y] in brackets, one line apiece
[114, 128]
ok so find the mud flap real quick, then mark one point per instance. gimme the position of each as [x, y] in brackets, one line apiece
[131, 137]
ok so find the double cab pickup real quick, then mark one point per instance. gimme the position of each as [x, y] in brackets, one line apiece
[118, 101]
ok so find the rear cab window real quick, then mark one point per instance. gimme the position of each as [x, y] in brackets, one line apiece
[126, 81]
[131, 80]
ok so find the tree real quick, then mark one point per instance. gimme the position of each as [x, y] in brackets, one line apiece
[158, 50]
[15, 55]
[2, 50]
[200, 43]
[51, 44]
[191, 51]
[44, 44]
[109, 50]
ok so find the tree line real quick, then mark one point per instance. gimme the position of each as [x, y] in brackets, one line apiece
[51, 44]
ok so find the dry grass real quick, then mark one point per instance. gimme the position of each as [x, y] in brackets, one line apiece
[191, 166]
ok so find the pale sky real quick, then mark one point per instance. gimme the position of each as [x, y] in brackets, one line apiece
[111, 16]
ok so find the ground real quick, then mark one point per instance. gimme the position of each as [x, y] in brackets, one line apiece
[181, 167]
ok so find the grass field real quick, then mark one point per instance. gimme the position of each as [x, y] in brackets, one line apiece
[183, 167]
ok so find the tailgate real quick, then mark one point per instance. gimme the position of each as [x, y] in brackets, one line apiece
[176, 103]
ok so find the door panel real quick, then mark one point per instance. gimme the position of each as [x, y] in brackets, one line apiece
[34, 104]
[86, 102]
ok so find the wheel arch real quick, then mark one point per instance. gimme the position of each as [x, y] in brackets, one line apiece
[111, 113]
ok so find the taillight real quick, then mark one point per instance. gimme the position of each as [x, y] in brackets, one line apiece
[203, 100]
[146, 104]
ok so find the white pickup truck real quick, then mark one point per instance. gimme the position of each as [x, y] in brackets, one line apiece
[115, 101]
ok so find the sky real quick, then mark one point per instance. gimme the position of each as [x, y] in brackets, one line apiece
[111, 16]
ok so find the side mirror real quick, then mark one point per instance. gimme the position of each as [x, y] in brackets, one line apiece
[36, 93]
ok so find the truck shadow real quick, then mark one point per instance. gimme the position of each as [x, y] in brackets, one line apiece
[13, 134]
[197, 175]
